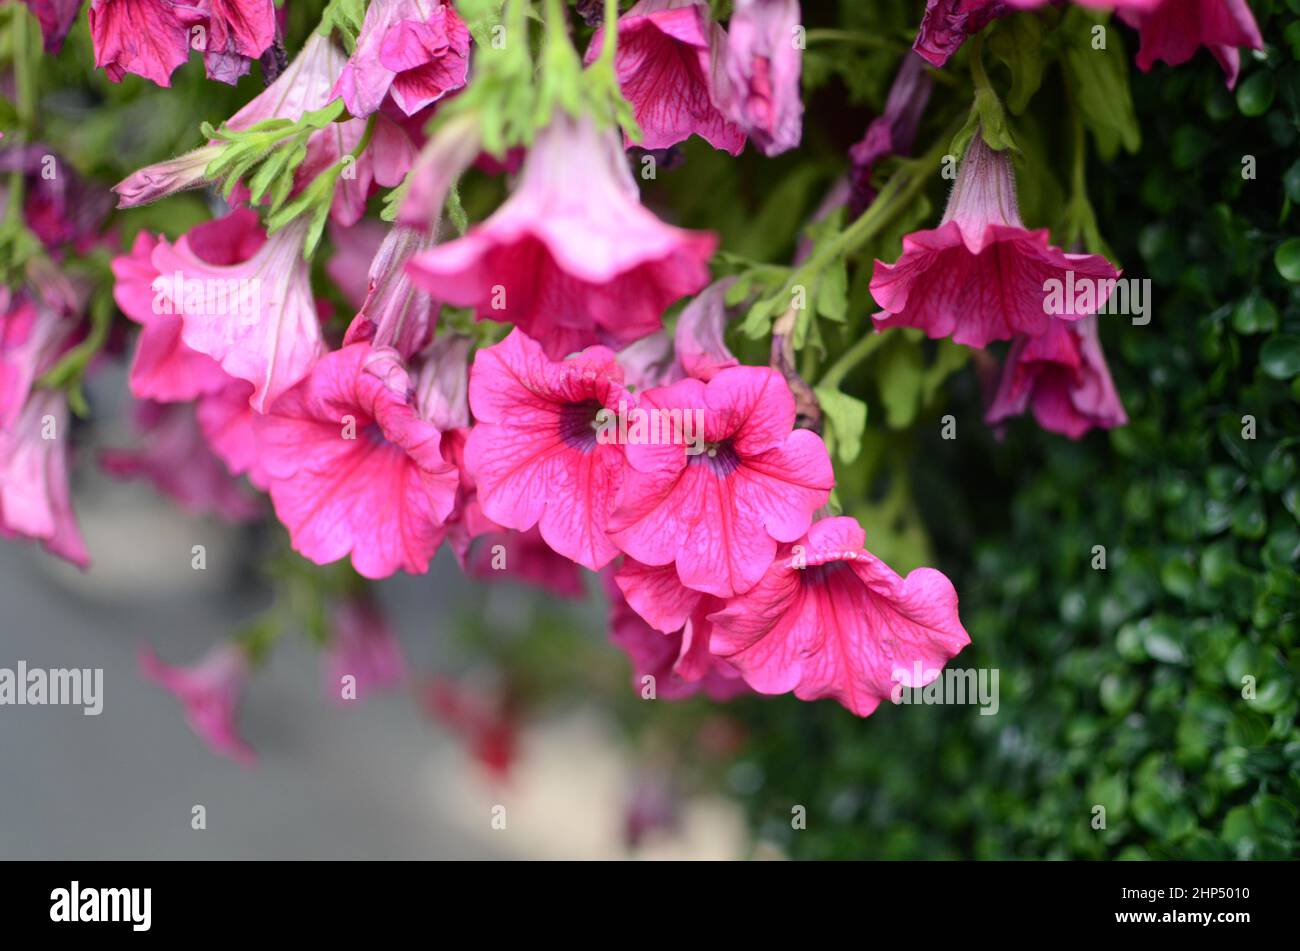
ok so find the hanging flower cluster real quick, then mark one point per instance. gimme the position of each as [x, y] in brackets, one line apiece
[549, 386]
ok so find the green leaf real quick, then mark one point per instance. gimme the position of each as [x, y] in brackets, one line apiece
[1287, 260]
[847, 418]
[1280, 356]
[1018, 43]
[1099, 85]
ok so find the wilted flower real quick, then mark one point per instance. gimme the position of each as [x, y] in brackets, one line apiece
[893, 132]
[763, 62]
[829, 619]
[946, 24]
[981, 275]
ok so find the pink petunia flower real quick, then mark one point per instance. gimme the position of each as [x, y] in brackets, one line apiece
[256, 318]
[893, 132]
[678, 660]
[981, 275]
[527, 558]
[668, 62]
[947, 23]
[236, 32]
[485, 717]
[210, 692]
[719, 507]
[534, 451]
[56, 18]
[763, 64]
[147, 37]
[35, 500]
[829, 619]
[32, 335]
[354, 469]
[572, 257]
[164, 369]
[699, 336]
[162, 179]
[1172, 31]
[229, 424]
[1062, 375]
[176, 459]
[354, 248]
[363, 646]
[395, 313]
[415, 51]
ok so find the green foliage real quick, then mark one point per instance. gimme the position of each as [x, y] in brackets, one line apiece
[1164, 686]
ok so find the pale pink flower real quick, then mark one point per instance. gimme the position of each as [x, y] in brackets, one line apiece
[362, 645]
[981, 275]
[414, 51]
[166, 178]
[1062, 375]
[354, 248]
[395, 313]
[763, 64]
[32, 335]
[210, 692]
[354, 469]
[719, 514]
[668, 63]
[176, 460]
[534, 452]
[35, 500]
[257, 318]
[699, 336]
[572, 257]
[829, 619]
[1173, 30]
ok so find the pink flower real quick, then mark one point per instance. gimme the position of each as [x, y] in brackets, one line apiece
[762, 73]
[35, 501]
[435, 169]
[667, 57]
[257, 318]
[238, 32]
[828, 619]
[753, 481]
[164, 368]
[701, 327]
[147, 37]
[355, 248]
[571, 258]
[228, 424]
[415, 51]
[395, 313]
[678, 661]
[210, 692]
[177, 461]
[362, 645]
[1172, 30]
[534, 452]
[893, 132]
[56, 18]
[1063, 376]
[59, 206]
[981, 275]
[947, 23]
[32, 335]
[354, 469]
[166, 178]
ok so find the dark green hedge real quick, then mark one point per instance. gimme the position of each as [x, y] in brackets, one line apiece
[1120, 687]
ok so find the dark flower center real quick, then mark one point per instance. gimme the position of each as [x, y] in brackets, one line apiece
[719, 456]
[578, 424]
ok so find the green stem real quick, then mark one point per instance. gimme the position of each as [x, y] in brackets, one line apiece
[606, 58]
[850, 36]
[25, 105]
[851, 357]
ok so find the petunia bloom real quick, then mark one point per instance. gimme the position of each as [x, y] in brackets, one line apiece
[235, 32]
[32, 335]
[701, 328]
[414, 51]
[147, 37]
[829, 619]
[947, 23]
[395, 313]
[56, 18]
[893, 132]
[166, 178]
[210, 692]
[363, 646]
[981, 275]
[353, 469]
[35, 500]
[1172, 31]
[1062, 375]
[720, 512]
[572, 257]
[762, 66]
[534, 451]
[256, 318]
[668, 55]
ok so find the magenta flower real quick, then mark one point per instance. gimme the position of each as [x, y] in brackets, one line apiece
[762, 73]
[534, 453]
[893, 132]
[166, 178]
[56, 18]
[414, 51]
[829, 619]
[257, 317]
[719, 513]
[572, 258]
[237, 32]
[1172, 31]
[362, 645]
[528, 559]
[35, 501]
[1063, 376]
[176, 459]
[60, 208]
[229, 426]
[354, 248]
[32, 335]
[679, 661]
[164, 369]
[946, 24]
[210, 692]
[395, 313]
[354, 469]
[147, 37]
[981, 275]
[668, 55]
